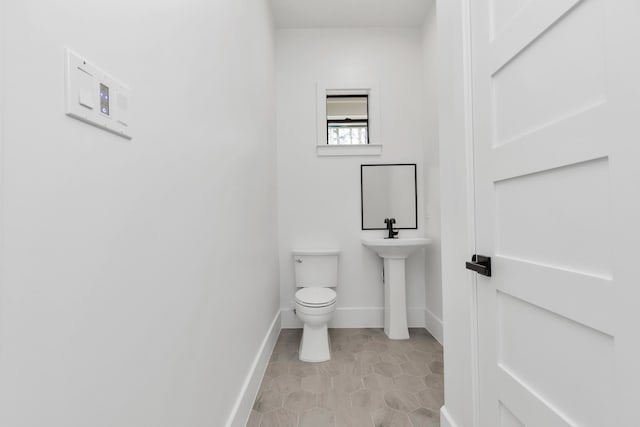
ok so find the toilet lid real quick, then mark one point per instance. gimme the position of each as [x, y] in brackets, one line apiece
[315, 297]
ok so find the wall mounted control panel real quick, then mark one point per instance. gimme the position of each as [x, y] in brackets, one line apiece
[95, 97]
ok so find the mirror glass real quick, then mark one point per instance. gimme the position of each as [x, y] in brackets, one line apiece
[389, 191]
[347, 119]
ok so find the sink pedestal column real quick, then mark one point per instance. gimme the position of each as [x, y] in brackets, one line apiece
[394, 252]
[395, 299]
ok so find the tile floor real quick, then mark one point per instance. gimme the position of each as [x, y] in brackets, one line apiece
[370, 381]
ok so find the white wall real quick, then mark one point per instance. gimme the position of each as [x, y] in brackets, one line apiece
[138, 278]
[2, 84]
[431, 182]
[455, 171]
[319, 197]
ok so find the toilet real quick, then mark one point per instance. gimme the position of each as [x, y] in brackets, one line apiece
[316, 272]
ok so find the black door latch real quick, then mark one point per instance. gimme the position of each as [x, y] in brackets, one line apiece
[480, 264]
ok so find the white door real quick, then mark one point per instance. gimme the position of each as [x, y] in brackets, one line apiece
[556, 111]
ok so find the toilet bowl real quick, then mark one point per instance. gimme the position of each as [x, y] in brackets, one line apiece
[315, 307]
[316, 272]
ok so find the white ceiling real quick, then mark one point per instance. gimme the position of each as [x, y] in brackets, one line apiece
[349, 13]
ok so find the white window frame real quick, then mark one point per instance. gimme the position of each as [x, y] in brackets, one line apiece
[374, 147]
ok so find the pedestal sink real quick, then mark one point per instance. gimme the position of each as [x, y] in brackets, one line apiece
[394, 252]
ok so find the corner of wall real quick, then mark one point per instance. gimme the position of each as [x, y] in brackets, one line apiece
[431, 178]
[433, 324]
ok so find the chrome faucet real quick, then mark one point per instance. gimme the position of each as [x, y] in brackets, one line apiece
[392, 233]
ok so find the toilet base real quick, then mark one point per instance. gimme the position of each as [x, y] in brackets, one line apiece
[314, 345]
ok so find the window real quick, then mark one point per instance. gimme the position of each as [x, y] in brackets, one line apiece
[347, 119]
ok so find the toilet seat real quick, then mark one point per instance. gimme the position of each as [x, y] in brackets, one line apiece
[315, 297]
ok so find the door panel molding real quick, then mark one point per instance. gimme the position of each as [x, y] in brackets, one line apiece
[572, 140]
[527, 26]
[531, 408]
[534, 282]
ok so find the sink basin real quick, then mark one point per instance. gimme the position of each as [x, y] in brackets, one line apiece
[396, 248]
[394, 252]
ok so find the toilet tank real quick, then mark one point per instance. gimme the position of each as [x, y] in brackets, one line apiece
[316, 268]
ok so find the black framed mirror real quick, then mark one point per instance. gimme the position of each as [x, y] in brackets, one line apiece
[389, 191]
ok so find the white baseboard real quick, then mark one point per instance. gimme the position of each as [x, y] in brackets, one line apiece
[359, 317]
[244, 403]
[445, 418]
[433, 325]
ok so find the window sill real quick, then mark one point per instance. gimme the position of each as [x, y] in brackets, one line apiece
[349, 150]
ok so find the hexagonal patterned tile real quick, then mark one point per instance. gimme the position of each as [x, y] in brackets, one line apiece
[387, 369]
[286, 384]
[353, 417]
[376, 346]
[317, 417]
[358, 369]
[401, 401]
[343, 357]
[377, 382]
[302, 369]
[428, 399]
[436, 367]
[400, 346]
[316, 383]
[331, 368]
[369, 399]
[300, 401]
[347, 383]
[350, 347]
[434, 381]
[334, 399]
[336, 339]
[425, 418]
[368, 357]
[370, 381]
[387, 417]
[254, 419]
[276, 369]
[360, 338]
[285, 355]
[415, 368]
[426, 346]
[419, 356]
[267, 383]
[268, 400]
[279, 418]
[393, 357]
[408, 383]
